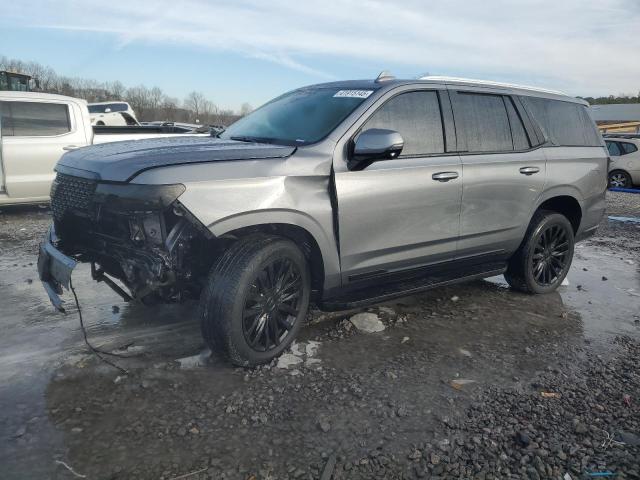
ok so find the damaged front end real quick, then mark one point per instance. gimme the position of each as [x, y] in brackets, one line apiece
[138, 234]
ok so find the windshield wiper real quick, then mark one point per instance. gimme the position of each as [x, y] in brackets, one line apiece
[246, 138]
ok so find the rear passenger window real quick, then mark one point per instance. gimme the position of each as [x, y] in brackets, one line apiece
[628, 147]
[564, 123]
[29, 119]
[485, 122]
[416, 116]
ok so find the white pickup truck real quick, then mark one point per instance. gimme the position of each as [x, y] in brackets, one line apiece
[37, 128]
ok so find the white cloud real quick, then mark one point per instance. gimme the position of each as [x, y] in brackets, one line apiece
[582, 47]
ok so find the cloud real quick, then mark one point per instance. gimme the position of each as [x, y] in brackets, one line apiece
[582, 47]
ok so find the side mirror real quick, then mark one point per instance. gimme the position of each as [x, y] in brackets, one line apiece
[373, 145]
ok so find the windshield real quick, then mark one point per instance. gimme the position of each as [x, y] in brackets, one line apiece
[299, 117]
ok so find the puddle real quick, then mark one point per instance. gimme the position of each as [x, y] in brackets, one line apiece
[625, 219]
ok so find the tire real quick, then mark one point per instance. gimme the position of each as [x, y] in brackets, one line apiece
[549, 241]
[619, 179]
[244, 314]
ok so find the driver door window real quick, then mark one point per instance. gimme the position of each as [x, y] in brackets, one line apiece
[416, 116]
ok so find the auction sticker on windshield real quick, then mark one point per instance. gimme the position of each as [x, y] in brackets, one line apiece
[354, 93]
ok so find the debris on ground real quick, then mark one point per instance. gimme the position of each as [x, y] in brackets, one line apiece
[327, 471]
[193, 361]
[287, 360]
[458, 383]
[390, 312]
[367, 322]
[299, 352]
[550, 395]
[324, 425]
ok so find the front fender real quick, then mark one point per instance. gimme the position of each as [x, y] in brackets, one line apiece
[301, 201]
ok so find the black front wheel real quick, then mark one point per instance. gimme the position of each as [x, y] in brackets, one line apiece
[256, 299]
[544, 258]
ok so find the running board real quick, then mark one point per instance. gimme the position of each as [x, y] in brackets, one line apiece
[388, 291]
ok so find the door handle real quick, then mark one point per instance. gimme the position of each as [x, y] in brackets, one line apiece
[529, 170]
[70, 147]
[444, 176]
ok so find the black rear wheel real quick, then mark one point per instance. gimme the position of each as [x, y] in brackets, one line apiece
[544, 258]
[256, 299]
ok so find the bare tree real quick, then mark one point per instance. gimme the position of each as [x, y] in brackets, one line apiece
[116, 90]
[195, 102]
[169, 108]
[245, 109]
[138, 98]
[155, 98]
[149, 104]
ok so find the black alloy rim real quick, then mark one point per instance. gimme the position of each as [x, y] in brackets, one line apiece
[272, 305]
[550, 255]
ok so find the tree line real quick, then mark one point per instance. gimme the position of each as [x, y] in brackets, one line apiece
[149, 104]
[613, 99]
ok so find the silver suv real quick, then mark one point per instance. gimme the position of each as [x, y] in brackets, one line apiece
[341, 194]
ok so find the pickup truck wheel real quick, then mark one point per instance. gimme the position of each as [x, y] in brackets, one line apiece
[256, 299]
[544, 258]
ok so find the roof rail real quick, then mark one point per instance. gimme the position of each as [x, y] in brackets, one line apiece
[384, 76]
[490, 83]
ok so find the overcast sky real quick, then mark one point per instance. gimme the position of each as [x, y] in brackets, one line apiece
[252, 50]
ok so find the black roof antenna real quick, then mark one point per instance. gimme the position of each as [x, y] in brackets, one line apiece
[384, 76]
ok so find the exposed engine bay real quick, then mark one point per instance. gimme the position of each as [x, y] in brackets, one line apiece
[138, 234]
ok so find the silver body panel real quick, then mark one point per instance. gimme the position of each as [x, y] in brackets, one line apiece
[497, 200]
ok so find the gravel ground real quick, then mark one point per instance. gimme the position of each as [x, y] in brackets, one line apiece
[618, 234]
[468, 381]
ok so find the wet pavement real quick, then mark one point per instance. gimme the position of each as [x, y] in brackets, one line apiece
[177, 411]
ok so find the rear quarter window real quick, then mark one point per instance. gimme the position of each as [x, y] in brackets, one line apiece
[628, 147]
[564, 123]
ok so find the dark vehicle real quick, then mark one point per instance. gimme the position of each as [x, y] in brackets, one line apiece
[15, 82]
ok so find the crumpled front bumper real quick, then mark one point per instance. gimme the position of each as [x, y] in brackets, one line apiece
[54, 269]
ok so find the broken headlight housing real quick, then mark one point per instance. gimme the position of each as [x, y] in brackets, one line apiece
[134, 197]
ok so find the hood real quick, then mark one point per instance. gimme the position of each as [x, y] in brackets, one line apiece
[121, 161]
